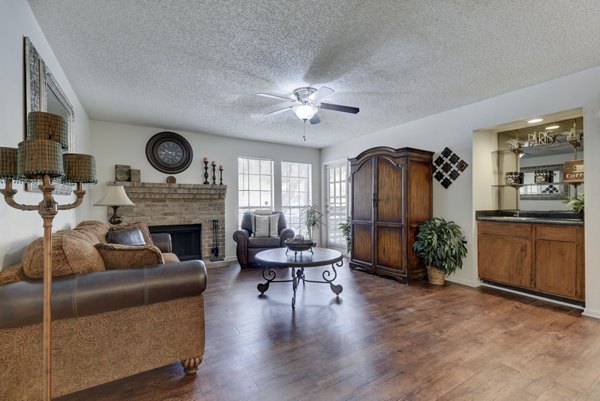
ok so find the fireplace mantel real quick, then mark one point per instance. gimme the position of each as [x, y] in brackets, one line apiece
[159, 204]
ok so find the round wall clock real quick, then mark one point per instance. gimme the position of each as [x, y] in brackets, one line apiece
[169, 152]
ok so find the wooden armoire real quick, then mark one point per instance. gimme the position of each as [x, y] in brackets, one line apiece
[391, 196]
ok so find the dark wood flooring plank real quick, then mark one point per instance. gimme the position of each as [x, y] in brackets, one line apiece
[381, 340]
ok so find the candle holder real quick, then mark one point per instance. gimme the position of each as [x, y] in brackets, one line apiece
[205, 172]
[220, 175]
[214, 175]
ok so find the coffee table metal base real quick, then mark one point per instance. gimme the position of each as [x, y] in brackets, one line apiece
[270, 275]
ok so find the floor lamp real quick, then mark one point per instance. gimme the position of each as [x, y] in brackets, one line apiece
[41, 157]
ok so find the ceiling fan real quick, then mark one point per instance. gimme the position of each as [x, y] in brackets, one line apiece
[307, 102]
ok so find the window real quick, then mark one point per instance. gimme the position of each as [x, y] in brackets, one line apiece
[296, 192]
[255, 184]
[337, 208]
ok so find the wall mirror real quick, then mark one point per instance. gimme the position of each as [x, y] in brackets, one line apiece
[538, 152]
[43, 93]
[554, 190]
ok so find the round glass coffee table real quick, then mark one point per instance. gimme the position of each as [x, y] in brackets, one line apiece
[274, 258]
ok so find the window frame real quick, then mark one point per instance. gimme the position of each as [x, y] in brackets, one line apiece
[245, 174]
[292, 212]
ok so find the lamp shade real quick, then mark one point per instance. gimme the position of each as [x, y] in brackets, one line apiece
[79, 168]
[8, 163]
[38, 157]
[114, 196]
[305, 111]
[43, 125]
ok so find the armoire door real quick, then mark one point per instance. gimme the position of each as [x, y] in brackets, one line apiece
[362, 214]
[389, 214]
[419, 208]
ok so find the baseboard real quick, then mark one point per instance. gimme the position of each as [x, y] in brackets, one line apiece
[468, 283]
[221, 263]
[591, 313]
[541, 298]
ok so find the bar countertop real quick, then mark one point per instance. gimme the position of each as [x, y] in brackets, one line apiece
[531, 217]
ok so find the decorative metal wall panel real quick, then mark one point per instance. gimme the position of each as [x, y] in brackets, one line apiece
[447, 167]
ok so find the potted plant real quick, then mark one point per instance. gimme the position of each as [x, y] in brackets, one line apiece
[577, 204]
[311, 217]
[346, 228]
[441, 246]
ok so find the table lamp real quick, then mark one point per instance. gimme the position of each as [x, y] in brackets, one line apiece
[115, 196]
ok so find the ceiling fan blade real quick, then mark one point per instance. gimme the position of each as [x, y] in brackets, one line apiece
[322, 93]
[315, 119]
[275, 96]
[339, 107]
[279, 111]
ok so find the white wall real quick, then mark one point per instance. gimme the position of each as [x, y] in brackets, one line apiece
[115, 143]
[19, 228]
[454, 128]
[485, 143]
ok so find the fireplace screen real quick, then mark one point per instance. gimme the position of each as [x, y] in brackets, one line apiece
[186, 239]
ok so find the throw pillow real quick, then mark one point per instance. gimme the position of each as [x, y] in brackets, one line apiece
[263, 212]
[170, 257]
[265, 226]
[132, 236]
[117, 256]
[95, 229]
[73, 252]
[12, 273]
[142, 226]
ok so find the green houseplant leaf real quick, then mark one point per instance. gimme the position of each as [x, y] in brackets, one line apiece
[346, 228]
[311, 217]
[577, 204]
[441, 244]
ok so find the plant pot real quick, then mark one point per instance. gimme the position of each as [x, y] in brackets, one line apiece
[435, 276]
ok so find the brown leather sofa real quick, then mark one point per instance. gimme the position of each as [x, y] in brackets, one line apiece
[248, 246]
[106, 325]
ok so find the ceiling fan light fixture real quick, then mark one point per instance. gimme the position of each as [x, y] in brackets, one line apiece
[305, 111]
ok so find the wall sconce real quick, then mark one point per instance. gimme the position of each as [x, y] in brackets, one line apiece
[115, 196]
[41, 157]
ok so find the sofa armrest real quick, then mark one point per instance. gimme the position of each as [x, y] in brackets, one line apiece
[241, 237]
[163, 242]
[286, 234]
[98, 292]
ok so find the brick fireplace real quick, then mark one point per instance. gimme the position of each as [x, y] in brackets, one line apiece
[158, 204]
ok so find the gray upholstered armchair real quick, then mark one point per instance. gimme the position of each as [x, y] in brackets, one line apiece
[248, 246]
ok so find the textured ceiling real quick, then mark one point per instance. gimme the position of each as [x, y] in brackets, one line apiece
[197, 65]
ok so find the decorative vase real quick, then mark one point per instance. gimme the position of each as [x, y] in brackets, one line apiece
[435, 276]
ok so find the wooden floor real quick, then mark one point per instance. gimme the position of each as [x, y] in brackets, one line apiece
[381, 341]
